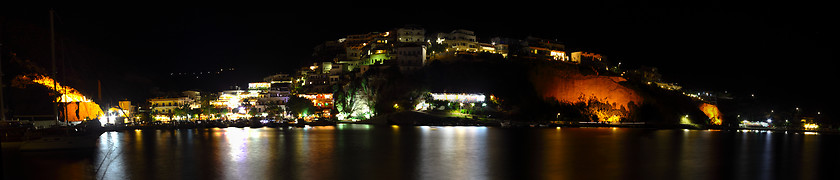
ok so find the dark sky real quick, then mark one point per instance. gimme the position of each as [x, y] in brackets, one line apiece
[774, 50]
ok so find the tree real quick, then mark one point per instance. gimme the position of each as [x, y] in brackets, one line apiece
[207, 110]
[368, 90]
[345, 98]
[224, 111]
[299, 105]
[148, 117]
[181, 111]
[273, 109]
[382, 88]
[193, 112]
[252, 110]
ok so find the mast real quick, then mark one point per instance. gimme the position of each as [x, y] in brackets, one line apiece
[2, 103]
[52, 56]
[64, 105]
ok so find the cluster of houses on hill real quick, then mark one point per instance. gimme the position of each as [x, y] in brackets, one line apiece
[337, 61]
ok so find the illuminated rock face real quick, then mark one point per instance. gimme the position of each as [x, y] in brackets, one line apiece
[574, 87]
[712, 112]
[78, 106]
[86, 110]
[570, 86]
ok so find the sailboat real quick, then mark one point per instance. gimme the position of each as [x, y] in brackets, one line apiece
[83, 135]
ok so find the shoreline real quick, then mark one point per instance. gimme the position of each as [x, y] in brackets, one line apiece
[634, 126]
[412, 118]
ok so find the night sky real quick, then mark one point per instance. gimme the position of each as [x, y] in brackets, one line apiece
[782, 52]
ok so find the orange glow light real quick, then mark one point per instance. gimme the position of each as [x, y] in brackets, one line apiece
[712, 112]
[75, 101]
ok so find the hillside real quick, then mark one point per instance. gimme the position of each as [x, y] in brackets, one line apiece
[536, 90]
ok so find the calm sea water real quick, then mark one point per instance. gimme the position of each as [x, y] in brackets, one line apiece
[391, 152]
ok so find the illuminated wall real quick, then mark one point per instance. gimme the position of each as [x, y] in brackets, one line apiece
[259, 85]
[558, 55]
[571, 87]
[458, 40]
[578, 56]
[319, 100]
[579, 88]
[78, 106]
[324, 102]
[168, 105]
[234, 98]
[456, 97]
[411, 34]
[378, 58]
[712, 112]
[79, 111]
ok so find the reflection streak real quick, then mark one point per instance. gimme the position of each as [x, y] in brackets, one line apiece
[453, 152]
[371, 152]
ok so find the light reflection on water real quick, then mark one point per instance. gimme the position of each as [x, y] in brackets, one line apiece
[409, 152]
[455, 152]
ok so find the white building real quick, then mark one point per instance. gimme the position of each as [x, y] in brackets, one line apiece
[411, 34]
[458, 40]
[164, 108]
[411, 58]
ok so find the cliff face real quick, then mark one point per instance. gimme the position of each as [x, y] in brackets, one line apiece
[79, 111]
[712, 112]
[528, 88]
[571, 86]
[607, 99]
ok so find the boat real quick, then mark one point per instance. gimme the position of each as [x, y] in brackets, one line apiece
[63, 135]
[299, 123]
[322, 123]
[60, 142]
[13, 133]
[222, 124]
[24, 137]
[253, 123]
[241, 123]
[272, 124]
[82, 136]
[278, 123]
[505, 124]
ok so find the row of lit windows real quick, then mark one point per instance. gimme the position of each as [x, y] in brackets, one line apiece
[417, 33]
[408, 52]
[463, 44]
[167, 104]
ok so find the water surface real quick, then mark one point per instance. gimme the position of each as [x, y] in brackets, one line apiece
[408, 152]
